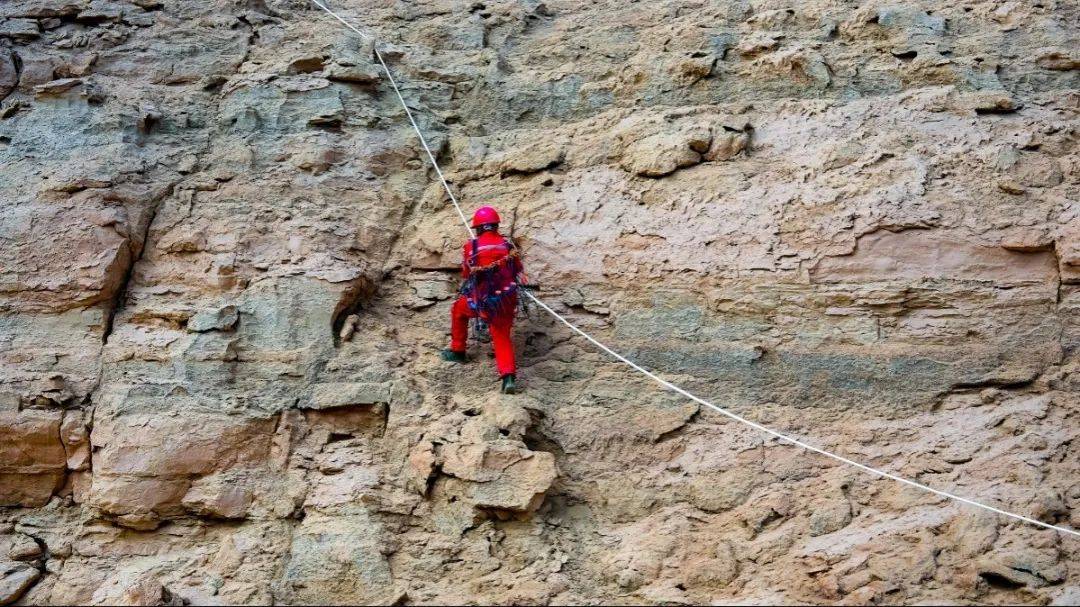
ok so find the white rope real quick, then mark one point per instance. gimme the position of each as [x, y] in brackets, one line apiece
[408, 113]
[673, 387]
[784, 437]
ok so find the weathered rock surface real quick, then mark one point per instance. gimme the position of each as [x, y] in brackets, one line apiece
[15, 579]
[225, 272]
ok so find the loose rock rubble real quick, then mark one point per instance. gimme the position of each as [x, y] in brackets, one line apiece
[225, 271]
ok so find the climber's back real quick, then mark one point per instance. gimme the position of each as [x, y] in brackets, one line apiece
[492, 270]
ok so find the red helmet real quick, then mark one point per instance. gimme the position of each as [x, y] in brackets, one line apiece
[484, 216]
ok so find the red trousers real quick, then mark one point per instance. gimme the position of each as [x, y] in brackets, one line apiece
[500, 334]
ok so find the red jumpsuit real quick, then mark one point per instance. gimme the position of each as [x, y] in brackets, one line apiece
[490, 248]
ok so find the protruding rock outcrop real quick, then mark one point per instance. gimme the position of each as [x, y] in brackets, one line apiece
[479, 459]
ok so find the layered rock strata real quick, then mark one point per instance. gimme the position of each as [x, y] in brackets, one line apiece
[225, 271]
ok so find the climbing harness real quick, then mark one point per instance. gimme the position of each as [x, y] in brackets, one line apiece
[666, 384]
[481, 332]
[490, 289]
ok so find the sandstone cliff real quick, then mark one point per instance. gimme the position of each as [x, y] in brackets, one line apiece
[225, 271]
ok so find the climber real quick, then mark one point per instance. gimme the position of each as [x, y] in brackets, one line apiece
[493, 272]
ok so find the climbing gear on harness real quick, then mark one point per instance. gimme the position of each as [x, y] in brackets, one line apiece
[484, 216]
[509, 385]
[490, 289]
[453, 356]
[481, 331]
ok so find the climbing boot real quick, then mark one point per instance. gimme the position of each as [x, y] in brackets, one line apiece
[453, 356]
[508, 384]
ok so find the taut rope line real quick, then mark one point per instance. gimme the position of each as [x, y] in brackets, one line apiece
[408, 112]
[664, 382]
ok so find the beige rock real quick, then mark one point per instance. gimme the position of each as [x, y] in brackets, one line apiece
[137, 496]
[532, 158]
[76, 441]
[1068, 250]
[499, 476]
[308, 63]
[659, 155]
[144, 463]
[352, 73]
[351, 420]
[348, 329]
[726, 145]
[77, 66]
[693, 69]
[918, 254]
[344, 555]
[1026, 568]
[756, 44]
[1010, 186]
[21, 547]
[1054, 59]
[152, 445]
[221, 319]
[329, 396]
[57, 87]
[218, 497]
[132, 588]
[988, 102]
[1027, 240]
[855, 224]
[804, 65]
[421, 470]
[15, 579]
[9, 75]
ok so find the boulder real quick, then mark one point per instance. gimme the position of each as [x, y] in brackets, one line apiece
[219, 319]
[345, 394]
[915, 254]
[355, 74]
[726, 145]
[499, 475]
[134, 588]
[15, 579]
[22, 30]
[218, 496]
[532, 158]
[481, 461]
[20, 547]
[76, 439]
[660, 154]
[1059, 60]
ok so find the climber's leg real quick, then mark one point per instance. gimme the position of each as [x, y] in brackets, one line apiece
[502, 343]
[459, 325]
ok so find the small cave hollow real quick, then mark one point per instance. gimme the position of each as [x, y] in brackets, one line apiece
[352, 300]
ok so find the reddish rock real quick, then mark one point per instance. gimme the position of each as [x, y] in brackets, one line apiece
[146, 463]
[32, 457]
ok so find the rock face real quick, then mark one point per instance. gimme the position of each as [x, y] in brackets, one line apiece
[225, 271]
